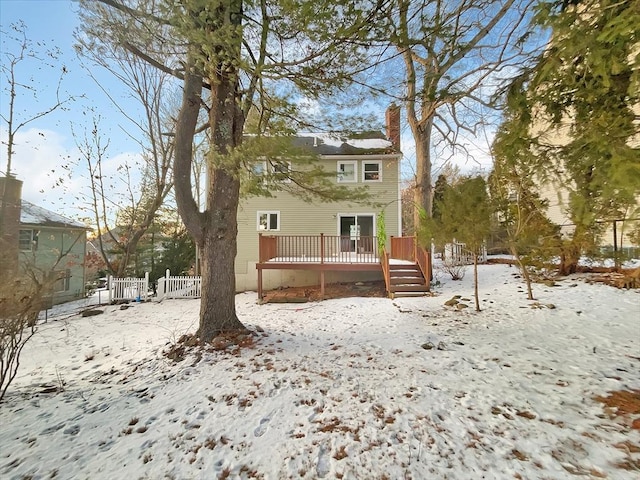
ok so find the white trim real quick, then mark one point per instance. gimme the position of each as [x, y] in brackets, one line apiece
[355, 171]
[384, 156]
[364, 171]
[269, 213]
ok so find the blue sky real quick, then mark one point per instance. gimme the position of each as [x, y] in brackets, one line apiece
[45, 150]
[46, 157]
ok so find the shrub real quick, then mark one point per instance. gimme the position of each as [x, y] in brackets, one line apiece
[20, 301]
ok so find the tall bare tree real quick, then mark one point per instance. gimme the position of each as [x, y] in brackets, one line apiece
[452, 54]
[232, 55]
[123, 216]
[17, 88]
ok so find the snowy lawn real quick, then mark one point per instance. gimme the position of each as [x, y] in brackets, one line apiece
[356, 388]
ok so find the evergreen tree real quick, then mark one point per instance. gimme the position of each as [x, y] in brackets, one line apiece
[574, 113]
[466, 216]
[231, 55]
[520, 211]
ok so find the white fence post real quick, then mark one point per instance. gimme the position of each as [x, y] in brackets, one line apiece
[146, 285]
[109, 286]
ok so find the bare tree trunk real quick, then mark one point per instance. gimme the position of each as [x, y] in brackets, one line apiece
[475, 280]
[569, 257]
[570, 252]
[214, 230]
[523, 270]
[424, 186]
[217, 307]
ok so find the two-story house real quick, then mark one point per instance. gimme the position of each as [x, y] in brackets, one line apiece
[48, 246]
[286, 241]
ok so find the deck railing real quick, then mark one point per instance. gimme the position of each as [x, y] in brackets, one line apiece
[384, 261]
[403, 248]
[423, 259]
[318, 248]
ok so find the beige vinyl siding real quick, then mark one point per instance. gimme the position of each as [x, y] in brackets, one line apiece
[301, 218]
[558, 198]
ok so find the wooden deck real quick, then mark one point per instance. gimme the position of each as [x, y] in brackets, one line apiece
[324, 253]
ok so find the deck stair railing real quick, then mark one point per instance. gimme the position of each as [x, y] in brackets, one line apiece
[412, 277]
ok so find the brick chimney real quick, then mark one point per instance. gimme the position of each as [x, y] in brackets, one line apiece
[10, 204]
[392, 118]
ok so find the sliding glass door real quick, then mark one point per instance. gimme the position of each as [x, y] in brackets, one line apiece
[356, 232]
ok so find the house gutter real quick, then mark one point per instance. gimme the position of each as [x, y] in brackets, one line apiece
[383, 156]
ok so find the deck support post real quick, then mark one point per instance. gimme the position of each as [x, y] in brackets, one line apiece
[321, 284]
[260, 285]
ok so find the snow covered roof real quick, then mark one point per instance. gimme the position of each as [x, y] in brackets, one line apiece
[31, 214]
[367, 143]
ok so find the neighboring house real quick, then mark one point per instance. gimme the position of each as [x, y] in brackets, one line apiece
[558, 189]
[53, 247]
[616, 230]
[371, 160]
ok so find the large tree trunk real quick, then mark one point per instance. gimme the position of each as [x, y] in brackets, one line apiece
[219, 248]
[215, 229]
[424, 187]
[569, 258]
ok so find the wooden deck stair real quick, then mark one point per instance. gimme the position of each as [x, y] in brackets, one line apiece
[406, 281]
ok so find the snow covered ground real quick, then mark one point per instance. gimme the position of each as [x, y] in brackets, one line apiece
[356, 388]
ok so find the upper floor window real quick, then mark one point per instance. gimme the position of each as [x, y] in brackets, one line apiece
[28, 240]
[272, 170]
[281, 171]
[259, 169]
[347, 171]
[372, 171]
[268, 221]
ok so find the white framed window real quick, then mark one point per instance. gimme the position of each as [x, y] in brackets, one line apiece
[27, 240]
[259, 169]
[372, 171]
[60, 280]
[281, 171]
[268, 221]
[347, 171]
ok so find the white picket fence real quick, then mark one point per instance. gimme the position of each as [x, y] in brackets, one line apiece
[179, 287]
[457, 253]
[129, 288]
